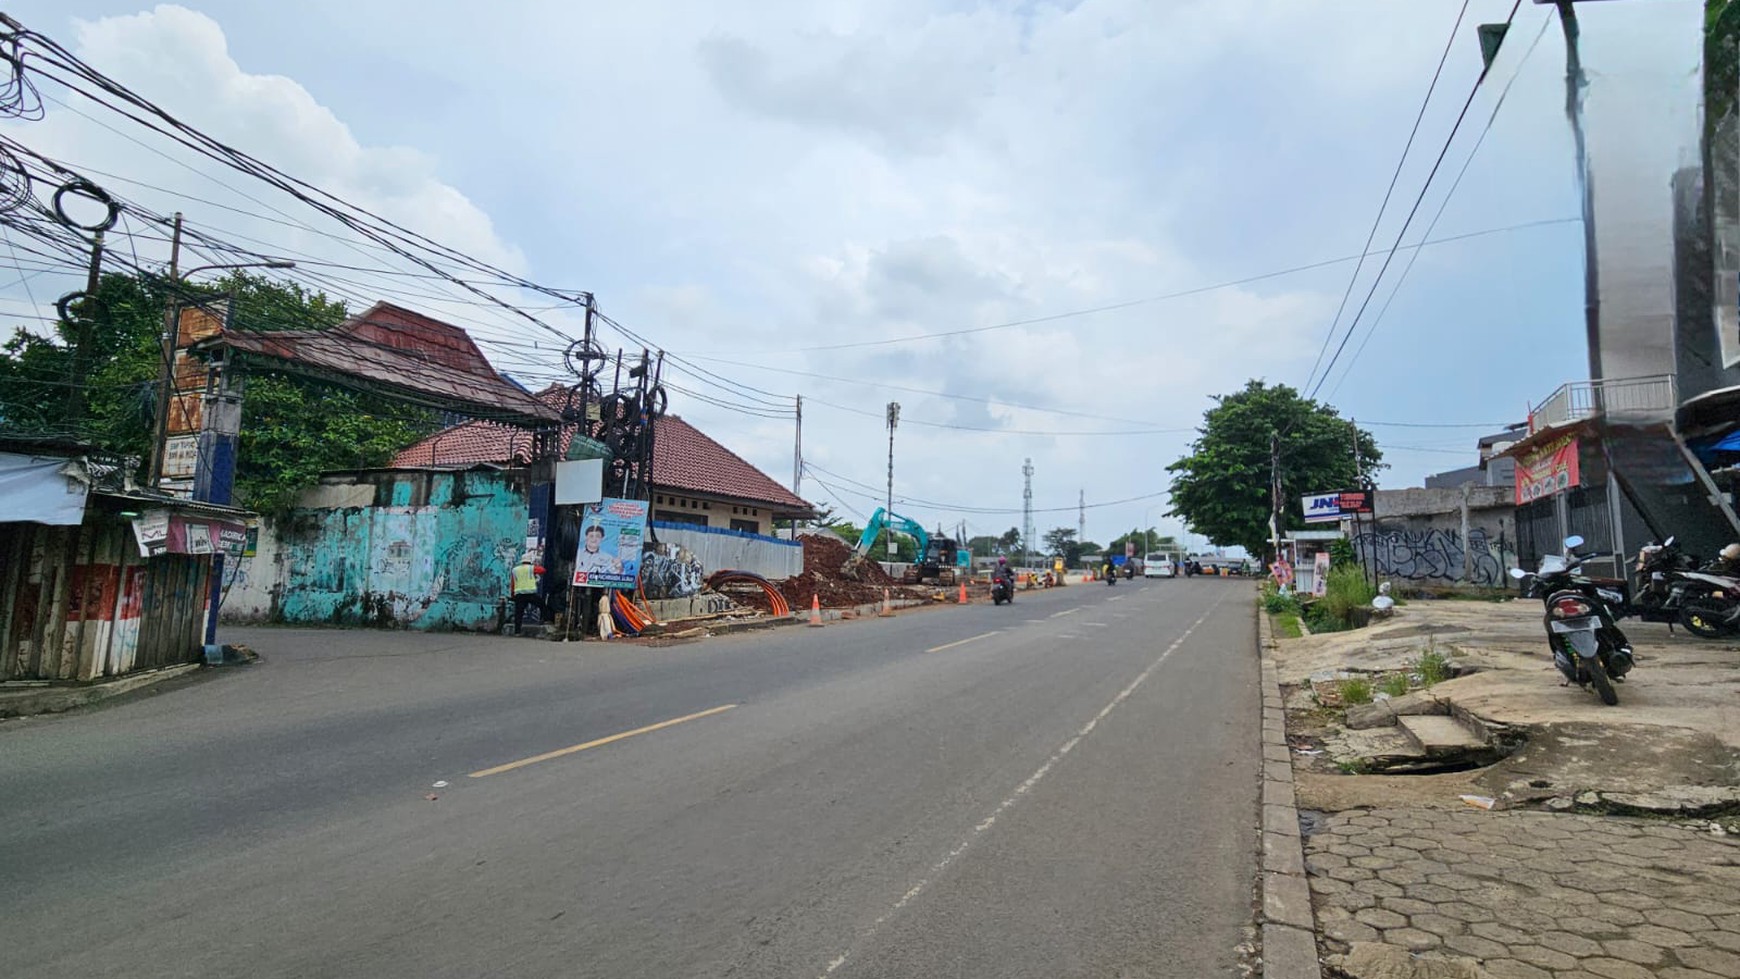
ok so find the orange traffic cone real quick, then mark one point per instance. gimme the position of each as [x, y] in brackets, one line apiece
[815, 610]
[963, 593]
[887, 608]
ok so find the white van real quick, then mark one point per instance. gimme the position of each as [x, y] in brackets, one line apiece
[1159, 566]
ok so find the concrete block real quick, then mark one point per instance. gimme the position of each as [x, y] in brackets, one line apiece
[1278, 771]
[1276, 752]
[1281, 820]
[1278, 793]
[1282, 855]
[1287, 900]
[1290, 953]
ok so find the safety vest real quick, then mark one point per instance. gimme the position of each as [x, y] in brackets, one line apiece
[525, 579]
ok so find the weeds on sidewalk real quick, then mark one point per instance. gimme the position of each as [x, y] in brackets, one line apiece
[1394, 684]
[1433, 666]
[1355, 690]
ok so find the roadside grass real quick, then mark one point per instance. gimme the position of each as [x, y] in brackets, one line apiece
[1355, 690]
[1287, 625]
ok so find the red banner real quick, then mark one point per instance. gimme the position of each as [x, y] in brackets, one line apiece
[1549, 469]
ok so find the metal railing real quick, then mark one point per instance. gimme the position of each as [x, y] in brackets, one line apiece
[1655, 395]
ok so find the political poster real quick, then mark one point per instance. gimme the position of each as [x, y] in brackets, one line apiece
[612, 532]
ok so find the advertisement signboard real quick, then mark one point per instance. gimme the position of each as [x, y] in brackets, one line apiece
[1549, 469]
[1331, 507]
[611, 534]
[162, 532]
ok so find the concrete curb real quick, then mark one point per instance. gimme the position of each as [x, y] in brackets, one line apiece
[1289, 925]
[54, 699]
[859, 611]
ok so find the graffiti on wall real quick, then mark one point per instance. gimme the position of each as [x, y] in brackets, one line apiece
[671, 571]
[1424, 555]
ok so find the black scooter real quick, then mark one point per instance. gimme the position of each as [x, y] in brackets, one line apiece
[1002, 590]
[1582, 629]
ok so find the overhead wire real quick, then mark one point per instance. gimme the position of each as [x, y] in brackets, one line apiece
[1377, 221]
[1462, 115]
[1498, 104]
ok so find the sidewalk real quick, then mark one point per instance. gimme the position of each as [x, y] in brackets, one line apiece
[1562, 878]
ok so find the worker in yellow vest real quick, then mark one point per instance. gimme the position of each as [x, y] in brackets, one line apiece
[524, 579]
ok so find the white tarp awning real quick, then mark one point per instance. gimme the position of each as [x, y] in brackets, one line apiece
[38, 489]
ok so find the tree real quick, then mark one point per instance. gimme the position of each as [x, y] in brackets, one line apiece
[1061, 542]
[1222, 488]
[96, 380]
[985, 546]
[1147, 541]
[1011, 540]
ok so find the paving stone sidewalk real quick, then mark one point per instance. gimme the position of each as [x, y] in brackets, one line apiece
[1529, 894]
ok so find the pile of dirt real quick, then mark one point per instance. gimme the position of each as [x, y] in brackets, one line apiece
[831, 574]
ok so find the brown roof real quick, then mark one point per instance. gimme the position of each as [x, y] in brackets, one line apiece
[684, 459]
[400, 352]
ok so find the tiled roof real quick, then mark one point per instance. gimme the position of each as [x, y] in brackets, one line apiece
[684, 459]
[403, 352]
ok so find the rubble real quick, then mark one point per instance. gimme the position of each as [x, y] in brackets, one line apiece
[831, 575]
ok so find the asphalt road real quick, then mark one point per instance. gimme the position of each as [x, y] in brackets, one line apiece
[1064, 787]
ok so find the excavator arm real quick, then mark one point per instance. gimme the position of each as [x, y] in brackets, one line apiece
[882, 519]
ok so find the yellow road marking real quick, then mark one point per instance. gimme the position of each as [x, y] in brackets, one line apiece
[958, 642]
[571, 749]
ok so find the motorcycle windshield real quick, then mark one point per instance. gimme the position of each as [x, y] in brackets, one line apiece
[1551, 564]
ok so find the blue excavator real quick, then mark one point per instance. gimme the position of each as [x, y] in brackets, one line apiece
[937, 556]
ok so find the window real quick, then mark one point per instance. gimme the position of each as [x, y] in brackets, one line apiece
[672, 516]
[747, 526]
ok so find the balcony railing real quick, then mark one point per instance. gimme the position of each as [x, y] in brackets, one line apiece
[1654, 396]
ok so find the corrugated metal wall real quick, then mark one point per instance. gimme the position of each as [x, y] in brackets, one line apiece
[719, 550]
[78, 603]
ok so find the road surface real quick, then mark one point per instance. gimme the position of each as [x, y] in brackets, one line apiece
[1064, 787]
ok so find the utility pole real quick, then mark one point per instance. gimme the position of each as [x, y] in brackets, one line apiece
[1275, 493]
[797, 456]
[1080, 516]
[166, 381]
[81, 338]
[888, 512]
[1026, 509]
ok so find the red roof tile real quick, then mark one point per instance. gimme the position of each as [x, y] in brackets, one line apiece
[684, 459]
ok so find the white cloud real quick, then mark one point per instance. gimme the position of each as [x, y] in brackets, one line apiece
[801, 174]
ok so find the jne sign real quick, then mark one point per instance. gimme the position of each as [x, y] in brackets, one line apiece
[1331, 507]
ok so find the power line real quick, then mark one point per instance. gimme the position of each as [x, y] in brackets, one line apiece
[1442, 205]
[1377, 221]
[1418, 200]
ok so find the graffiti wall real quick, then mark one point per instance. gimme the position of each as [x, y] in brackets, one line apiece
[671, 571]
[1432, 555]
[432, 552]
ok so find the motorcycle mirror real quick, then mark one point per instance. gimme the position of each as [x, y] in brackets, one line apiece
[1518, 573]
[1573, 542]
[1669, 542]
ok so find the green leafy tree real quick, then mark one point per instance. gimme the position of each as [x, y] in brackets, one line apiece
[983, 546]
[1061, 542]
[92, 378]
[1011, 540]
[95, 379]
[1221, 488]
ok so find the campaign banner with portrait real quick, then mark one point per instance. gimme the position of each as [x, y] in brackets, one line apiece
[612, 532]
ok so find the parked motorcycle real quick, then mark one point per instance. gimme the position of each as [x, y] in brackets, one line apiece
[1587, 644]
[1671, 588]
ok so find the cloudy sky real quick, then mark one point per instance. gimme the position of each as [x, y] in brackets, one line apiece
[772, 190]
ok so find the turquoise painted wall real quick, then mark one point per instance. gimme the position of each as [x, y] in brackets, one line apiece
[432, 553]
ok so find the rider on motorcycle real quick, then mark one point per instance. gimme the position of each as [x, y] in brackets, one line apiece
[1005, 575]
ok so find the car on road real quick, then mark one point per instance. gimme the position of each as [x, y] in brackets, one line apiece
[1159, 566]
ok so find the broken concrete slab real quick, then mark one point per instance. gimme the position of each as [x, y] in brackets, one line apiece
[1374, 960]
[1363, 717]
[1439, 735]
